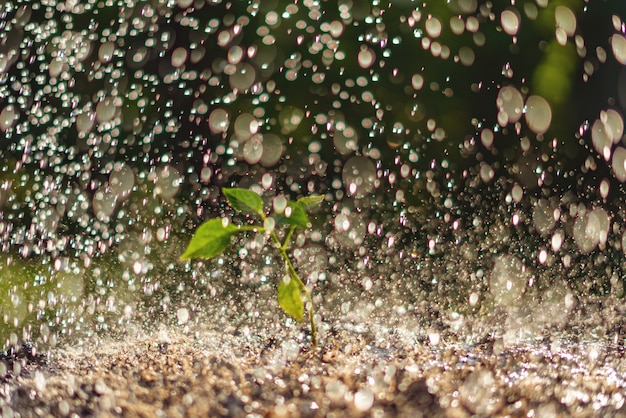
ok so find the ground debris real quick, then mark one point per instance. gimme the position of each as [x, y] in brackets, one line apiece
[354, 373]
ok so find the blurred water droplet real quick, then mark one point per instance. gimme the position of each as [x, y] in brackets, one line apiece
[8, 117]
[478, 393]
[538, 114]
[253, 150]
[510, 105]
[243, 78]
[85, 122]
[40, 381]
[366, 57]
[618, 45]
[618, 163]
[121, 181]
[510, 22]
[543, 217]
[182, 314]
[433, 27]
[179, 56]
[508, 279]
[363, 400]
[105, 110]
[105, 52]
[359, 176]
[272, 150]
[219, 121]
[591, 229]
[466, 56]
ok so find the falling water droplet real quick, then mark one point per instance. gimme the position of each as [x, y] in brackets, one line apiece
[538, 114]
[510, 22]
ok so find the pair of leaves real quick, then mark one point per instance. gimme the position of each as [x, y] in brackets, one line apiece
[212, 237]
[247, 201]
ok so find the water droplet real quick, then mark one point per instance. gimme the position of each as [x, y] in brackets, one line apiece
[457, 25]
[359, 175]
[182, 314]
[466, 56]
[613, 124]
[556, 241]
[591, 229]
[363, 400]
[253, 149]
[167, 181]
[486, 137]
[604, 188]
[345, 140]
[366, 57]
[508, 279]
[433, 27]
[290, 118]
[335, 390]
[243, 78]
[510, 105]
[565, 21]
[606, 131]
[618, 45]
[219, 120]
[510, 22]
[486, 172]
[538, 114]
[105, 110]
[245, 126]
[468, 6]
[478, 393]
[57, 66]
[543, 217]
[40, 381]
[8, 117]
[417, 81]
[601, 141]
[272, 150]
[121, 181]
[618, 163]
[179, 56]
[85, 122]
[103, 204]
[105, 52]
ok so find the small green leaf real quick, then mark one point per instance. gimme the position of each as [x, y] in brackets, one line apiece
[309, 202]
[211, 239]
[294, 215]
[290, 299]
[244, 200]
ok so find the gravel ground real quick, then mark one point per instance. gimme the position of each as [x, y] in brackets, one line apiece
[362, 368]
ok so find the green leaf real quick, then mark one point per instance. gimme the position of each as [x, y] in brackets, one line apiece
[211, 239]
[297, 216]
[244, 200]
[309, 202]
[290, 299]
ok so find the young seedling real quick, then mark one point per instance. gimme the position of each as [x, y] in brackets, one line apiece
[213, 237]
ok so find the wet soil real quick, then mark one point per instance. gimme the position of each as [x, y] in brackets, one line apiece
[362, 368]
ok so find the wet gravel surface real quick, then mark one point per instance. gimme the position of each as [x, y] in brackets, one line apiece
[362, 368]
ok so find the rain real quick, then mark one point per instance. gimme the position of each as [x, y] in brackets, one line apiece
[466, 257]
